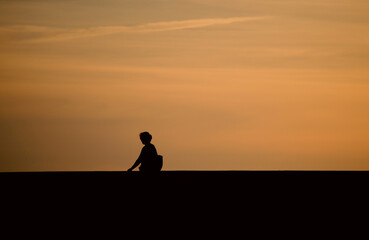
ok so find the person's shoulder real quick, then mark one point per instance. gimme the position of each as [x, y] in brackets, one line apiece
[150, 145]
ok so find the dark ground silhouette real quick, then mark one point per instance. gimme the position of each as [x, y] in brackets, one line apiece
[178, 201]
[253, 184]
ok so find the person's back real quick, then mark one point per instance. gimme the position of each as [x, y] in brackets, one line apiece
[148, 156]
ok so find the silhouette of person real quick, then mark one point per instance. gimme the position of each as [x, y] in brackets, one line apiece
[149, 159]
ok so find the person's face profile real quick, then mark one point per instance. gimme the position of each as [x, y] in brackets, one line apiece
[143, 141]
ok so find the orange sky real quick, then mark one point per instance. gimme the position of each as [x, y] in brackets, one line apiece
[221, 85]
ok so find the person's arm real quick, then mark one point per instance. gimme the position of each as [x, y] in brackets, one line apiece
[138, 162]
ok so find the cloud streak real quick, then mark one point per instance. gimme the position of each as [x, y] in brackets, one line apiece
[39, 34]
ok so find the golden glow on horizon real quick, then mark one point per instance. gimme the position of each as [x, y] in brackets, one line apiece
[220, 85]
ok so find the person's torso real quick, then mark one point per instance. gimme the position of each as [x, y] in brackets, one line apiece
[148, 155]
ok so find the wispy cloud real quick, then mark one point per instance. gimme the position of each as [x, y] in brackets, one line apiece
[38, 34]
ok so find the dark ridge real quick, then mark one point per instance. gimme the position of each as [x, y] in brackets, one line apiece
[171, 181]
[229, 189]
[184, 199]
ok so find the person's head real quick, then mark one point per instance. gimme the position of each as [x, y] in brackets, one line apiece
[145, 137]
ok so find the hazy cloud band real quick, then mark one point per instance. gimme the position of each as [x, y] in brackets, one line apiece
[35, 34]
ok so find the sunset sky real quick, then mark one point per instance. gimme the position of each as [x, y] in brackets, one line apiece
[220, 84]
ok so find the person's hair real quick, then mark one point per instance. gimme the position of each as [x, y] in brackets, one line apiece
[145, 137]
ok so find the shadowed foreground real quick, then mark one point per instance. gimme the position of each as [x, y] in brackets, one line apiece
[253, 184]
[182, 200]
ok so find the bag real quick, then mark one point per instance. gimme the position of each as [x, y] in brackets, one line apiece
[158, 163]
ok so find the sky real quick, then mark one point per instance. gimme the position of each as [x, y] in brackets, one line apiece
[220, 84]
